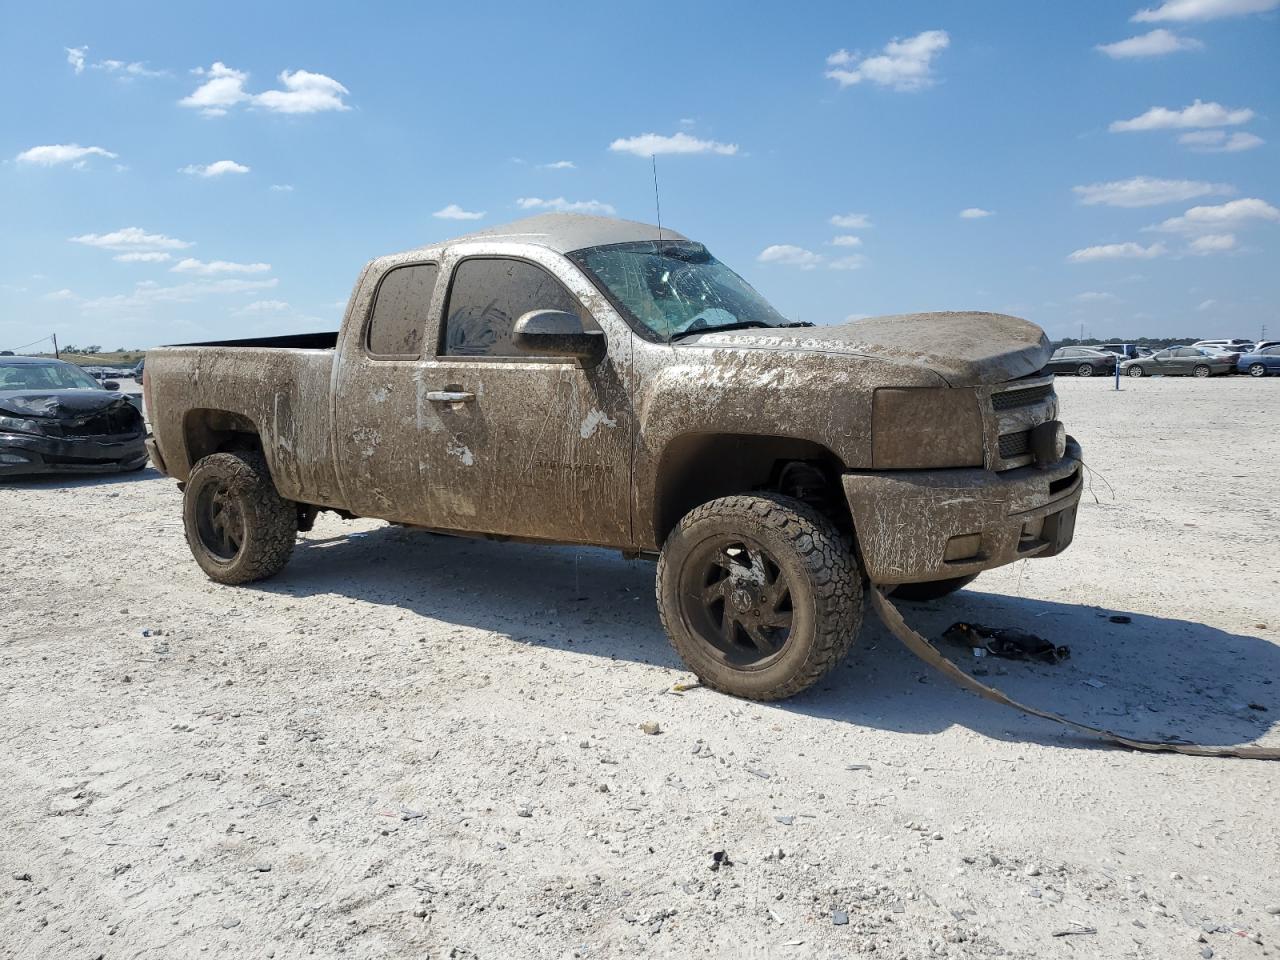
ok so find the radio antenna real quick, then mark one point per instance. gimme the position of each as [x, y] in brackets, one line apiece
[656, 202]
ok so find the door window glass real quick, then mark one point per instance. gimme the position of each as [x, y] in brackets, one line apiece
[487, 297]
[400, 311]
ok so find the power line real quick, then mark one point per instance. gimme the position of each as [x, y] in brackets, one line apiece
[31, 344]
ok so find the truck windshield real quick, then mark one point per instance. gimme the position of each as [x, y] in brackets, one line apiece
[674, 287]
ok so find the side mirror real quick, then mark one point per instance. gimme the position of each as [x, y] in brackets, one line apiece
[557, 333]
[110, 385]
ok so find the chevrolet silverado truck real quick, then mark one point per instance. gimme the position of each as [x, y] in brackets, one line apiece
[579, 380]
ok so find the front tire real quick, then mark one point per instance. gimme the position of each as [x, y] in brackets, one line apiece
[931, 589]
[759, 595]
[1257, 370]
[1136, 371]
[1084, 370]
[238, 527]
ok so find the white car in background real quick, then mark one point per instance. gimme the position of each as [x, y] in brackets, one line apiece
[1225, 346]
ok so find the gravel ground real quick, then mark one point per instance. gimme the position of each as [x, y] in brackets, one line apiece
[417, 746]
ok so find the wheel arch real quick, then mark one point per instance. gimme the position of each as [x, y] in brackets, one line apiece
[207, 430]
[695, 468]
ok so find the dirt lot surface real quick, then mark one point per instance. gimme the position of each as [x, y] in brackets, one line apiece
[416, 746]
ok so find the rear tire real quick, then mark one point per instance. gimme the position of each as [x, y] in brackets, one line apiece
[759, 595]
[1135, 371]
[1200, 370]
[1084, 370]
[238, 527]
[931, 589]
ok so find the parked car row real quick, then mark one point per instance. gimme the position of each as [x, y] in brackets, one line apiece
[1206, 358]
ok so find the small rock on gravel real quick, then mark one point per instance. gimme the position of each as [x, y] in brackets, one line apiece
[651, 727]
[839, 918]
[1031, 870]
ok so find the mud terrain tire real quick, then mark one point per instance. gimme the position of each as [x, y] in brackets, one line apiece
[238, 527]
[759, 542]
[932, 589]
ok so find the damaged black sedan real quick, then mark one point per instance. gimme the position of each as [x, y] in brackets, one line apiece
[54, 418]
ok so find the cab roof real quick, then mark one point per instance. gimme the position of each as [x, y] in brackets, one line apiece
[566, 232]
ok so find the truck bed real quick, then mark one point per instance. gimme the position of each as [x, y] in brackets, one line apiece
[292, 341]
[280, 385]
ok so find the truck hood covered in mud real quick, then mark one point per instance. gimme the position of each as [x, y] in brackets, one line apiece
[963, 348]
[59, 404]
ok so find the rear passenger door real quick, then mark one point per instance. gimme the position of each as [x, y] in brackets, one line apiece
[376, 400]
[521, 445]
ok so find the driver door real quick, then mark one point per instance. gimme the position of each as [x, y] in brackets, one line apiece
[519, 445]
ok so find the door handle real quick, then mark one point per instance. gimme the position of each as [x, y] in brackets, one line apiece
[450, 396]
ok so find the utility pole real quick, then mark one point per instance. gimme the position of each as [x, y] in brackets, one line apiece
[55, 347]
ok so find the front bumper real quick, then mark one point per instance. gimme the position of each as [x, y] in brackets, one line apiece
[24, 453]
[917, 525]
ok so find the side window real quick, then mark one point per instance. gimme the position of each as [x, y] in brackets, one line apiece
[487, 297]
[400, 311]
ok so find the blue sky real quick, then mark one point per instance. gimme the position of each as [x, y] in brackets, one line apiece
[172, 172]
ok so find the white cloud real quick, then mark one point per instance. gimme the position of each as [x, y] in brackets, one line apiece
[75, 57]
[1230, 215]
[790, 255]
[561, 205]
[1184, 10]
[223, 89]
[854, 261]
[54, 154]
[282, 187]
[215, 169]
[455, 212]
[1118, 251]
[1148, 191]
[974, 213]
[1095, 296]
[210, 268]
[63, 294]
[1217, 141]
[304, 92]
[559, 165]
[131, 238]
[851, 221]
[902, 65]
[127, 71]
[846, 240]
[143, 256]
[1154, 44]
[147, 293]
[1199, 114]
[648, 144]
[265, 306]
[1206, 305]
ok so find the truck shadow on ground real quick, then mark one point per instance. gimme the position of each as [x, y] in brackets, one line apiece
[1153, 678]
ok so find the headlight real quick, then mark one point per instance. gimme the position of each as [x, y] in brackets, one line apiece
[20, 425]
[920, 428]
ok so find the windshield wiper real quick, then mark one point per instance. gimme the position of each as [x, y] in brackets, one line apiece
[740, 325]
[797, 323]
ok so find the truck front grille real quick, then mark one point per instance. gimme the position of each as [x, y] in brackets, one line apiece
[1015, 444]
[1029, 396]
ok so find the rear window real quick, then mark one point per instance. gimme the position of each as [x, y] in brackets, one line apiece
[400, 311]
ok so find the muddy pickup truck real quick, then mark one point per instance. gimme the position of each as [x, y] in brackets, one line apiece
[580, 380]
